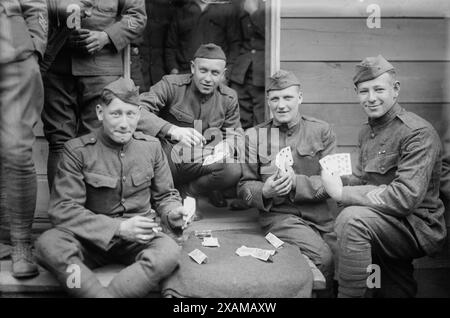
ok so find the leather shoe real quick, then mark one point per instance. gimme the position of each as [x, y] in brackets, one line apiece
[22, 261]
[216, 198]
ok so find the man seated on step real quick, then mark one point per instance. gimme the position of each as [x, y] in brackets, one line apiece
[195, 115]
[292, 204]
[393, 212]
[106, 187]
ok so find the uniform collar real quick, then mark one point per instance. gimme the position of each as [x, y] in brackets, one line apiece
[386, 118]
[284, 126]
[107, 141]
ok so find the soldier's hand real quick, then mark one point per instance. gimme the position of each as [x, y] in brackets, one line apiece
[291, 174]
[186, 136]
[277, 185]
[77, 38]
[332, 184]
[177, 218]
[96, 41]
[138, 229]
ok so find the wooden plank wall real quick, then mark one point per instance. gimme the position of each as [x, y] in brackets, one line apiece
[322, 40]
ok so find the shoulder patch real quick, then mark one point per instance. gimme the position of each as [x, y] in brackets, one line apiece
[313, 119]
[141, 136]
[412, 120]
[225, 90]
[82, 141]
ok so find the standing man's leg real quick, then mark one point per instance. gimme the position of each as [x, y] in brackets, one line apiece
[259, 103]
[21, 103]
[59, 117]
[363, 232]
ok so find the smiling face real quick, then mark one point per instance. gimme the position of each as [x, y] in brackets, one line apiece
[119, 119]
[284, 103]
[378, 95]
[208, 73]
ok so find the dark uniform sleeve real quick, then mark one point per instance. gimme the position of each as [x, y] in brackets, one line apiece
[258, 20]
[130, 26]
[250, 185]
[67, 205]
[172, 44]
[152, 102]
[233, 39]
[417, 158]
[231, 127]
[36, 18]
[310, 188]
[164, 196]
[356, 177]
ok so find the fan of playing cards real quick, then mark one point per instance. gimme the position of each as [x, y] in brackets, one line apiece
[339, 163]
[283, 159]
[221, 151]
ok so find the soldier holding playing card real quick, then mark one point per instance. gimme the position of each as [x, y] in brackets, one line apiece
[393, 212]
[285, 185]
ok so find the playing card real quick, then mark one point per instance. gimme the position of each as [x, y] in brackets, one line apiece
[210, 242]
[275, 241]
[190, 206]
[284, 159]
[245, 251]
[221, 151]
[337, 164]
[198, 256]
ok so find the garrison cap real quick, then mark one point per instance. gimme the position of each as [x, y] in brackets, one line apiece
[370, 68]
[125, 90]
[281, 80]
[210, 51]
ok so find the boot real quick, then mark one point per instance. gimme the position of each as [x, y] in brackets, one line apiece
[238, 204]
[23, 265]
[217, 199]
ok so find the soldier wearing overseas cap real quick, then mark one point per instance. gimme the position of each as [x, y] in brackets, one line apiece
[194, 115]
[89, 59]
[23, 39]
[292, 204]
[393, 212]
[108, 185]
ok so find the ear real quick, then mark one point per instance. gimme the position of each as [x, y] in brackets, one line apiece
[192, 67]
[300, 97]
[396, 88]
[99, 111]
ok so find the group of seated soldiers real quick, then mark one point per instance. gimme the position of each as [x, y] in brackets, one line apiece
[118, 190]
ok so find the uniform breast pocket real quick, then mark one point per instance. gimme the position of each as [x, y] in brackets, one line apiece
[309, 150]
[107, 6]
[306, 158]
[382, 164]
[142, 179]
[101, 192]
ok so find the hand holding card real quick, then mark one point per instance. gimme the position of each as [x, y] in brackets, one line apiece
[339, 164]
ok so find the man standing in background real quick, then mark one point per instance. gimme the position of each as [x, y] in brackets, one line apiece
[23, 39]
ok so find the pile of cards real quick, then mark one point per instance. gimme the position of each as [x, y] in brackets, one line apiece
[203, 234]
[339, 164]
[198, 256]
[275, 241]
[221, 151]
[264, 255]
[210, 242]
[284, 160]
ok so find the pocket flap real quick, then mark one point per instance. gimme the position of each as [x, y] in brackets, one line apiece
[99, 180]
[142, 177]
[305, 149]
[382, 164]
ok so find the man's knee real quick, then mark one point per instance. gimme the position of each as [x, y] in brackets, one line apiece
[353, 217]
[162, 259]
[230, 174]
[54, 248]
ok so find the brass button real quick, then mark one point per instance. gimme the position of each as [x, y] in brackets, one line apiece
[253, 51]
[124, 178]
[123, 201]
[372, 135]
[122, 154]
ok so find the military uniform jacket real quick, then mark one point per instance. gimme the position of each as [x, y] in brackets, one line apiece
[252, 48]
[310, 140]
[99, 183]
[122, 28]
[190, 27]
[23, 29]
[398, 174]
[175, 100]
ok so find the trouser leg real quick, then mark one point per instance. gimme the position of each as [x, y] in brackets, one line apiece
[362, 233]
[66, 258]
[259, 103]
[294, 230]
[21, 103]
[59, 117]
[147, 265]
[245, 104]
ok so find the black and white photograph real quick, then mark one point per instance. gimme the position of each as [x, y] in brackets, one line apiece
[225, 156]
